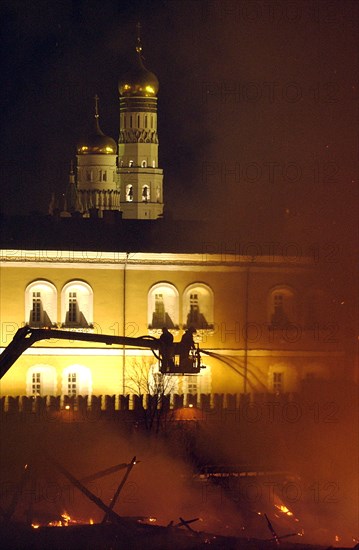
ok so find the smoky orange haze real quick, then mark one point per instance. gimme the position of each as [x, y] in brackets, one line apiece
[316, 457]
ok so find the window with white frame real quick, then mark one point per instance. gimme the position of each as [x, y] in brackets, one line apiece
[163, 306]
[198, 307]
[198, 383]
[41, 304]
[77, 305]
[76, 380]
[281, 307]
[41, 380]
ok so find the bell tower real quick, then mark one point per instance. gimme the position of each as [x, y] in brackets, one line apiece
[139, 175]
[97, 185]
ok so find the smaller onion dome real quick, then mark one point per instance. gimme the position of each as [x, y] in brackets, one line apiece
[96, 143]
[138, 81]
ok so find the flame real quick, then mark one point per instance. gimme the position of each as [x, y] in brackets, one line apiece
[65, 521]
[66, 518]
[284, 509]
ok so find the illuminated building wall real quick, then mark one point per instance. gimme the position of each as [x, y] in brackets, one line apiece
[265, 322]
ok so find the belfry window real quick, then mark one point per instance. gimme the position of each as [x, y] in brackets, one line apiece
[143, 164]
[130, 164]
[145, 193]
[102, 175]
[129, 193]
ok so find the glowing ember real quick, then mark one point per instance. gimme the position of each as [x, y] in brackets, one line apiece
[35, 525]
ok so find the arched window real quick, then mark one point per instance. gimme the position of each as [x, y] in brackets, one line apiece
[41, 380]
[130, 164]
[138, 121]
[77, 305]
[163, 306]
[146, 121]
[41, 304]
[153, 164]
[281, 308]
[198, 383]
[76, 380]
[144, 164]
[198, 307]
[129, 193]
[145, 193]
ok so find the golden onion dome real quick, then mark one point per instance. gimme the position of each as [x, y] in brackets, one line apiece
[96, 143]
[138, 81]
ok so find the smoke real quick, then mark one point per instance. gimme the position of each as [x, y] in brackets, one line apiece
[160, 485]
[301, 465]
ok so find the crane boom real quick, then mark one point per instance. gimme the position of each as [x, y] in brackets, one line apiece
[26, 336]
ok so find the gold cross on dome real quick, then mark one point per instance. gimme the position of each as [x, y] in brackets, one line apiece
[139, 45]
[96, 98]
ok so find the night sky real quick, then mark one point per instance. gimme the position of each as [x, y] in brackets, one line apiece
[258, 104]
